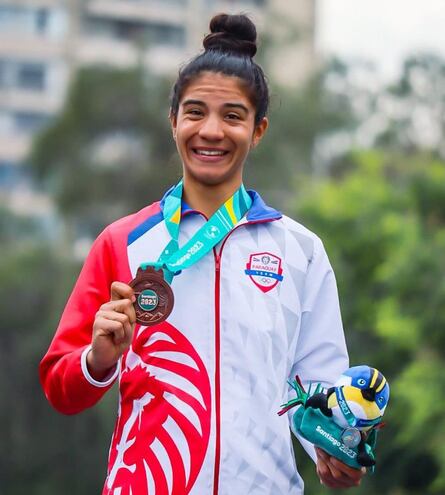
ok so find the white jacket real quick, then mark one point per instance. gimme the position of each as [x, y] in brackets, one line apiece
[199, 394]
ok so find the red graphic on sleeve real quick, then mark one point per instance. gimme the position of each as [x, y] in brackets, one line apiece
[163, 427]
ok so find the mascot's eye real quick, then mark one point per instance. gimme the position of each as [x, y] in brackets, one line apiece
[361, 381]
[381, 399]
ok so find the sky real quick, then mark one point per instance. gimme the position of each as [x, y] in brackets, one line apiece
[382, 31]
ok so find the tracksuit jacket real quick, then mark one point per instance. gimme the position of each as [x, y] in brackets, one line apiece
[199, 393]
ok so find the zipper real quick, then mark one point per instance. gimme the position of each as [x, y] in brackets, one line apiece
[217, 255]
[217, 372]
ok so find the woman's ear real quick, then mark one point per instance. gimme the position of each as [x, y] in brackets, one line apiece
[259, 132]
[173, 122]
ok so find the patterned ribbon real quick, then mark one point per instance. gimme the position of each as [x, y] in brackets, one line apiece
[348, 414]
[174, 259]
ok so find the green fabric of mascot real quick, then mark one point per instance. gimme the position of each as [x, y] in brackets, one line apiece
[343, 420]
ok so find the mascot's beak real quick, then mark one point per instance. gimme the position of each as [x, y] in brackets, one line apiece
[369, 394]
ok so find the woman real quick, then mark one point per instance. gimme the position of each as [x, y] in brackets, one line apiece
[255, 303]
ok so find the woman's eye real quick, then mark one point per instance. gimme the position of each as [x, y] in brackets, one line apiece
[194, 112]
[233, 116]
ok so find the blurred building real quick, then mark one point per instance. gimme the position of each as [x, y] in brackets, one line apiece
[43, 41]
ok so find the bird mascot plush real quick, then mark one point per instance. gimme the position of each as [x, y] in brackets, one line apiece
[344, 419]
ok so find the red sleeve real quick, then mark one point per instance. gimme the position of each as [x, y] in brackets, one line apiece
[64, 383]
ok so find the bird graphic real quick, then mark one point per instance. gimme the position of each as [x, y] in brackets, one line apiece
[163, 427]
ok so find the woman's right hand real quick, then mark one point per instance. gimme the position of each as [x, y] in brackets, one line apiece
[112, 331]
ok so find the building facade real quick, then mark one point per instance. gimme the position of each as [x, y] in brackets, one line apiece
[42, 42]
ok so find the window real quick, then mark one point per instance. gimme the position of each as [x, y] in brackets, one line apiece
[28, 122]
[3, 74]
[42, 17]
[129, 30]
[259, 3]
[138, 31]
[22, 74]
[24, 19]
[10, 174]
[162, 2]
[169, 35]
[31, 76]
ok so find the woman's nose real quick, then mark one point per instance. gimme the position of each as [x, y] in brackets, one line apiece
[211, 129]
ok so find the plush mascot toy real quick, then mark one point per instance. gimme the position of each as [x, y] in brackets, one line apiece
[345, 419]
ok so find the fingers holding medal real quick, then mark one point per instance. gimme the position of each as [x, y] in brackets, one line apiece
[112, 330]
[117, 318]
[147, 300]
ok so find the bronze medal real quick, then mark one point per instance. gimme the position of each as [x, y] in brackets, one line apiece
[154, 296]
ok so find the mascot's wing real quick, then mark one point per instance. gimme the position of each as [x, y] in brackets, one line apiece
[302, 395]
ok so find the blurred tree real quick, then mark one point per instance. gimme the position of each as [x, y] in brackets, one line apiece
[382, 217]
[107, 154]
[414, 106]
[406, 115]
[299, 120]
[41, 449]
[110, 150]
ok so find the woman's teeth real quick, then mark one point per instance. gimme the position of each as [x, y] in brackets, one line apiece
[210, 152]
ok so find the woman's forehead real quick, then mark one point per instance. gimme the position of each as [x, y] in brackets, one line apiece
[211, 87]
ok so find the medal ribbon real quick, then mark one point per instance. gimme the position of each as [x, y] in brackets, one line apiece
[174, 259]
[349, 416]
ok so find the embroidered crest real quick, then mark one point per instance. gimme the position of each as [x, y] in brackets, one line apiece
[264, 269]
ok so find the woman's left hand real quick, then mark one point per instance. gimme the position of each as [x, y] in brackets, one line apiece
[334, 473]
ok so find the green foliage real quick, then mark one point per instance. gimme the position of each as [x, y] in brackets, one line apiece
[419, 97]
[110, 150]
[384, 227]
[41, 449]
[380, 213]
[298, 119]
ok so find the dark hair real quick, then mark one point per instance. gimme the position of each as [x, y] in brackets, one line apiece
[229, 49]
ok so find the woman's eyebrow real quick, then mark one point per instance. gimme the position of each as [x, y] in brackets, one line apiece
[237, 105]
[193, 102]
[226, 105]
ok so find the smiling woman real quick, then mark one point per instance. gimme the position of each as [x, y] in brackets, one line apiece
[218, 111]
[214, 130]
[253, 302]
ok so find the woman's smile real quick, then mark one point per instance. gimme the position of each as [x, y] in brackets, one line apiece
[215, 129]
[207, 154]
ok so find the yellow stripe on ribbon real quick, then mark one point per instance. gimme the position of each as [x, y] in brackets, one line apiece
[229, 207]
[176, 217]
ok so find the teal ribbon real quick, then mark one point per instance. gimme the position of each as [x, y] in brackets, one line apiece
[173, 259]
[349, 416]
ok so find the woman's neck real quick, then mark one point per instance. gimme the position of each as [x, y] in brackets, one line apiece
[207, 199]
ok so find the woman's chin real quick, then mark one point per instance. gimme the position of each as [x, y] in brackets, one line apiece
[210, 178]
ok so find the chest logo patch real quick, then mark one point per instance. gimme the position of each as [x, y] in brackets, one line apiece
[264, 269]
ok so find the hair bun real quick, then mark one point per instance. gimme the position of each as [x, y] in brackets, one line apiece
[232, 33]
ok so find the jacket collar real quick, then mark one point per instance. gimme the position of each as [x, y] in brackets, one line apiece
[258, 212]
